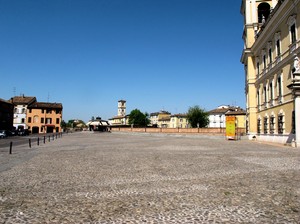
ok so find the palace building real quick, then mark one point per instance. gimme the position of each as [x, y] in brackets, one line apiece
[271, 46]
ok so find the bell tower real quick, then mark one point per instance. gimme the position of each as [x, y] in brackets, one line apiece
[122, 108]
[255, 13]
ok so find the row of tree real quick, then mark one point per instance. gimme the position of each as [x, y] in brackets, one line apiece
[72, 124]
[196, 116]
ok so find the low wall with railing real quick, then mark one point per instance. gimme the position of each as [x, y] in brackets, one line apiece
[210, 131]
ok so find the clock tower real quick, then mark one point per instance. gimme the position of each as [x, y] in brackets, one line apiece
[122, 108]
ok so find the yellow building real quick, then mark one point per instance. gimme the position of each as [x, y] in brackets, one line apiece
[164, 122]
[179, 121]
[160, 118]
[44, 117]
[240, 117]
[271, 43]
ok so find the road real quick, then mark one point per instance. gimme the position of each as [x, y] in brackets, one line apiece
[24, 140]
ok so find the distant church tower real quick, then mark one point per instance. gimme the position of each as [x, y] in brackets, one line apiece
[121, 107]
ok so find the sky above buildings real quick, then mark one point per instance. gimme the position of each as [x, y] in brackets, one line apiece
[155, 54]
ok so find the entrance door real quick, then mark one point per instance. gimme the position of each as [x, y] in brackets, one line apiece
[49, 129]
[35, 130]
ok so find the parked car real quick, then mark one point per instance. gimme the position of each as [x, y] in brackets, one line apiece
[23, 132]
[3, 134]
[11, 133]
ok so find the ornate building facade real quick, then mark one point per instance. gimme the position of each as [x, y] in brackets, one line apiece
[271, 44]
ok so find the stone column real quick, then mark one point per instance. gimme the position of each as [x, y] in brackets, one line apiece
[297, 118]
[295, 87]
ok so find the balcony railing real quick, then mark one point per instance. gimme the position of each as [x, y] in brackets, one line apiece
[293, 47]
[279, 100]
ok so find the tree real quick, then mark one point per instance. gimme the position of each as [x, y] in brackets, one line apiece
[70, 124]
[136, 117]
[197, 117]
[63, 124]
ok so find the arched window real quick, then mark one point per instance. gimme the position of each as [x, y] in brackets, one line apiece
[266, 125]
[270, 53]
[272, 124]
[264, 59]
[292, 29]
[36, 119]
[257, 67]
[258, 99]
[258, 126]
[263, 11]
[280, 123]
[279, 89]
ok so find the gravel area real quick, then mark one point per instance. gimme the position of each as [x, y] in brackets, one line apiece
[88, 177]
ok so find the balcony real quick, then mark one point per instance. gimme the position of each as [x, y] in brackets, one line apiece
[278, 60]
[271, 103]
[293, 47]
[279, 100]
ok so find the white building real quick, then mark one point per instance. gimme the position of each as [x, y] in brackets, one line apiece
[20, 110]
[217, 117]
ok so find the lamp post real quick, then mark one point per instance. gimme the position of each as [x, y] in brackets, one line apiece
[220, 120]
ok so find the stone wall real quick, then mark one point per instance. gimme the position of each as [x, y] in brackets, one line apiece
[212, 131]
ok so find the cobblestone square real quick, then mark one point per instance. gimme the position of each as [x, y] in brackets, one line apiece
[141, 178]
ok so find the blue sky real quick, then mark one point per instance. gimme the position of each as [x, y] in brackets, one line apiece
[155, 54]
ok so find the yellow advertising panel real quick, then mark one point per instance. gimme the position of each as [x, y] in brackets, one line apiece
[230, 127]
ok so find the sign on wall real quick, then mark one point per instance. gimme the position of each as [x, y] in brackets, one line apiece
[230, 127]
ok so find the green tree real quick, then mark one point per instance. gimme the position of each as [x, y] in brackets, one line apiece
[63, 124]
[197, 116]
[70, 124]
[136, 117]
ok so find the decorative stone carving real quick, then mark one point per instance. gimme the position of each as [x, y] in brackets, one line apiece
[296, 70]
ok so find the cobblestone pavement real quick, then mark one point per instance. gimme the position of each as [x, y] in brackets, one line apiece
[142, 178]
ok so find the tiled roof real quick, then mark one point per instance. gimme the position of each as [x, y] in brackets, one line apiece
[237, 112]
[164, 119]
[219, 111]
[224, 110]
[5, 101]
[119, 117]
[160, 112]
[46, 105]
[154, 114]
[22, 100]
[179, 115]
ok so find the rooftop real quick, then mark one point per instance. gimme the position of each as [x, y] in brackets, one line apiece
[22, 100]
[46, 105]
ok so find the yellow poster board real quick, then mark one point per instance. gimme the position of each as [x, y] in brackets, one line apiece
[230, 127]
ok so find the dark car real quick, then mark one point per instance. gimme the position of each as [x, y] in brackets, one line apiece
[3, 134]
[23, 132]
[11, 133]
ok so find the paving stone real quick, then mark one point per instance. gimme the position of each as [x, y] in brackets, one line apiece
[116, 178]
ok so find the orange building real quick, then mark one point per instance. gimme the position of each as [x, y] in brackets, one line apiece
[44, 117]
